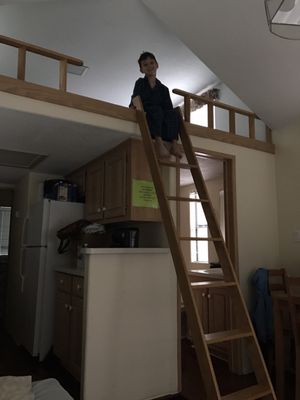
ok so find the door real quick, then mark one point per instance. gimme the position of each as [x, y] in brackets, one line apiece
[31, 297]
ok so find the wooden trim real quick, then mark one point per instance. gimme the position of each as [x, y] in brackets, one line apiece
[187, 109]
[221, 136]
[63, 75]
[232, 122]
[21, 63]
[210, 115]
[269, 135]
[56, 96]
[251, 127]
[214, 102]
[40, 50]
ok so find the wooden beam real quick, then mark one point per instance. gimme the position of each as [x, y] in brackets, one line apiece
[40, 50]
[222, 136]
[187, 109]
[56, 96]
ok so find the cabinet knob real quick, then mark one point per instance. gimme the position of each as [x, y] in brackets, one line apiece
[104, 209]
[66, 306]
[208, 296]
[98, 209]
[70, 308]
[78, 287]
[61, 281]
[203, 294]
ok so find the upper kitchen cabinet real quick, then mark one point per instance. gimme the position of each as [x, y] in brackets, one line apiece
[78, 177]
[119, 186]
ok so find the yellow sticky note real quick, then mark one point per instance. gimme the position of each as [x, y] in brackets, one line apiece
[143, 194]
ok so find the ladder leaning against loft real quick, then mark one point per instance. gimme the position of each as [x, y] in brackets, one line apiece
[242, 327]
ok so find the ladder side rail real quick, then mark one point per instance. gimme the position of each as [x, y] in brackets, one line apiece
[229, 272]
[203, 356]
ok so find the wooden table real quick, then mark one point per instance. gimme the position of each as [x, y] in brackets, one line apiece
[280, 310]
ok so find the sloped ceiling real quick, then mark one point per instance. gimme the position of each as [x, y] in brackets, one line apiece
[108, 35]
[232, 38]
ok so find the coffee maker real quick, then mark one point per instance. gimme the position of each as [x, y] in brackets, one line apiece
[125, 237]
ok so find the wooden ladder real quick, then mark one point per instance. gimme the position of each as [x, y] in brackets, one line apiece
[242, 326]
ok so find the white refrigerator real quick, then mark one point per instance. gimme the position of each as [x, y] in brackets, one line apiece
[39, 258]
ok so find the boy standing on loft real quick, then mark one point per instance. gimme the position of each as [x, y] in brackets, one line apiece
[162, 119]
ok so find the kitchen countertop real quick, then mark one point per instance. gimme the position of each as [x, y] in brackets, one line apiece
[214, 273]
[70, 270]
[124, 250]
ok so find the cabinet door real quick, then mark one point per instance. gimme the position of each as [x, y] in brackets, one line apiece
[218, 311]
[62, 323]
[94, 191]
[79, 177]
[75, 343]
[115, 167]
[202, 307]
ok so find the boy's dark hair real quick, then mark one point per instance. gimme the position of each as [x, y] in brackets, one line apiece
[146, 55]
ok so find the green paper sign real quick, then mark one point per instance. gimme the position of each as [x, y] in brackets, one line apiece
[143, 194]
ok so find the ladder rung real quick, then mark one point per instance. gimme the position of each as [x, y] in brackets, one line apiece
[226, 336]
[212, 284]
[180, 165]
[176, 198]
[207, 239]
[250, 393]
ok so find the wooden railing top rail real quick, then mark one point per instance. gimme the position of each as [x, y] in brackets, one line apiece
[40, 50]
[215, 103]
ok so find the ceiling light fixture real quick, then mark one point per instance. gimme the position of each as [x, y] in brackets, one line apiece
[77, 69]
[284, 18]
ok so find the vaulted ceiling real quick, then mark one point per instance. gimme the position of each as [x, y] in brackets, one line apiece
[198, 43]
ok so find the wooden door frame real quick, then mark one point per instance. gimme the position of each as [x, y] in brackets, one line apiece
[230, 215]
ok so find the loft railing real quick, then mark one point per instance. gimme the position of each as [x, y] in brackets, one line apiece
[24, 47]
[232, 112]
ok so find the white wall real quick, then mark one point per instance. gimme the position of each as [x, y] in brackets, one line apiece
[108, 36]
[287, 141]
[257, 218]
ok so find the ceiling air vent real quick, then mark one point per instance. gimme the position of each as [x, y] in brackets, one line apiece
[19, 159]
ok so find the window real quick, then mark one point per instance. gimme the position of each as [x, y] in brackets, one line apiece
[198, 228]
[4, 229]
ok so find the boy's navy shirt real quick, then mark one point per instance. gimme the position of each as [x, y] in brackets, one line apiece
[157, 96]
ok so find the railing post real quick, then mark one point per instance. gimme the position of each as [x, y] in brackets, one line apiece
[187, 108]
[63, 74]
[268, 135]
[210, 115]
[21, 63]
[232, 122]
[251, 127]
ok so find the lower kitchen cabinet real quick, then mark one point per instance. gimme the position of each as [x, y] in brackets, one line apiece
[214, 310]
[68, 322]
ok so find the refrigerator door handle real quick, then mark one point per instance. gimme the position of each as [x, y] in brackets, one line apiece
[21, 270]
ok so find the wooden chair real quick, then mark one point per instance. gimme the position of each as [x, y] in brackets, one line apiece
[277, 285]
[277, 280]
[293, 290]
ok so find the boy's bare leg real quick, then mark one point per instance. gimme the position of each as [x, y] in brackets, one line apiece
[175, 149]
[161, 148]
